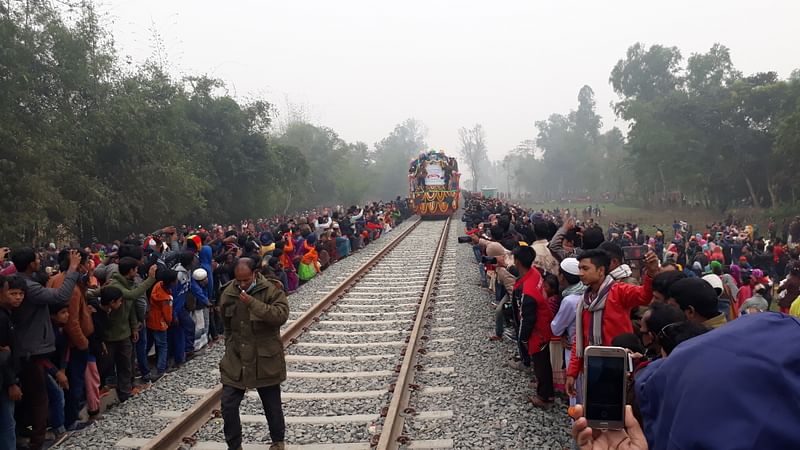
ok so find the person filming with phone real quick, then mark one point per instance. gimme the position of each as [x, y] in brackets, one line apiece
[604, 310]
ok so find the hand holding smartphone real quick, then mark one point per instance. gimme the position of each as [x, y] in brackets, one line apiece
[629, 438]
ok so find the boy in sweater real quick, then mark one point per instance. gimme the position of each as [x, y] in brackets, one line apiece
[123, 326]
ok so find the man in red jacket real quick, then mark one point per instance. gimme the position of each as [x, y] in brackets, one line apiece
[604, 311]
[534, 323]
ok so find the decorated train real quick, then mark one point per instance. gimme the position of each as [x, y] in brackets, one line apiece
[433, 180]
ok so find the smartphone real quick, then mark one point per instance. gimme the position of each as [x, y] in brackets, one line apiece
[604, 384]
[634, 252]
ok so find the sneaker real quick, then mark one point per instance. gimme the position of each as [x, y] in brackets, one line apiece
[517, 365]
[55, 434]
[78, 426]
[158, 376]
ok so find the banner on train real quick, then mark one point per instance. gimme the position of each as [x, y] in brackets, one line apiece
[435, 175]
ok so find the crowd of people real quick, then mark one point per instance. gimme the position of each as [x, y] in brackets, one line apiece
[77, 321]
[691, 311]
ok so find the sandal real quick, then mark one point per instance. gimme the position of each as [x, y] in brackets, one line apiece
[539, 403]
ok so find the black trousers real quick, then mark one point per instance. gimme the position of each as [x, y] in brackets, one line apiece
[215, 326]
[33, 410]
[270, 399]
[544, 374]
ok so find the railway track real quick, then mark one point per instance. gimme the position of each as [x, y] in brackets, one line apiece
[352, 360]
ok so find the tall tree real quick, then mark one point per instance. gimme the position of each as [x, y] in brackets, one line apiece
[474, 152]
[392, 156]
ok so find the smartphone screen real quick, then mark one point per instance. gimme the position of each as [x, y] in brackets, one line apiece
[605, 388]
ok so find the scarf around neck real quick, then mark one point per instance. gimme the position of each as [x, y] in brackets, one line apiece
[595, 305]
[621, 272]
[577, 288]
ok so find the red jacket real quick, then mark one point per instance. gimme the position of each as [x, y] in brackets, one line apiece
[535, 311]
[777, 252]
[622, 298]
[160, 315]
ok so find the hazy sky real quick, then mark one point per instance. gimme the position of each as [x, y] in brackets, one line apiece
[361, 67]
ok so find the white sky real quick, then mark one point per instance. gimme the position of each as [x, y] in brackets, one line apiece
[361, 67]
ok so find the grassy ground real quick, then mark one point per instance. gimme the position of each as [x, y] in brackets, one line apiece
[647, 219]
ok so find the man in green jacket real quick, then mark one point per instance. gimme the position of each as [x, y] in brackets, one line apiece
[123, 326]
[253, 309]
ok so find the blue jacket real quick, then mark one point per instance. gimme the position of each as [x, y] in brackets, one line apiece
[180, 290]
[735, 387]
[199, 293]
[205, 256]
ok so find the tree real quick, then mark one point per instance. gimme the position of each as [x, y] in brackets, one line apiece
[711, 70]
[693, 128]
[645, 75]
[392, 156]
[473, 150]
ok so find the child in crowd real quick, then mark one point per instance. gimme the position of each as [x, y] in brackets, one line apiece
[55, 367]
[551, 289]
[12, 293]
[110, 299]
[160, 316]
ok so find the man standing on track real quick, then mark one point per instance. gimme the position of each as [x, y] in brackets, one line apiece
[253, 309]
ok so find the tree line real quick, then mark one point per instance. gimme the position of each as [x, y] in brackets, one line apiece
[93, 147]
[697, 129]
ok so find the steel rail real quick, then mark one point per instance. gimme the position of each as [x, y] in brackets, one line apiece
[391, 436]
[181, 429]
